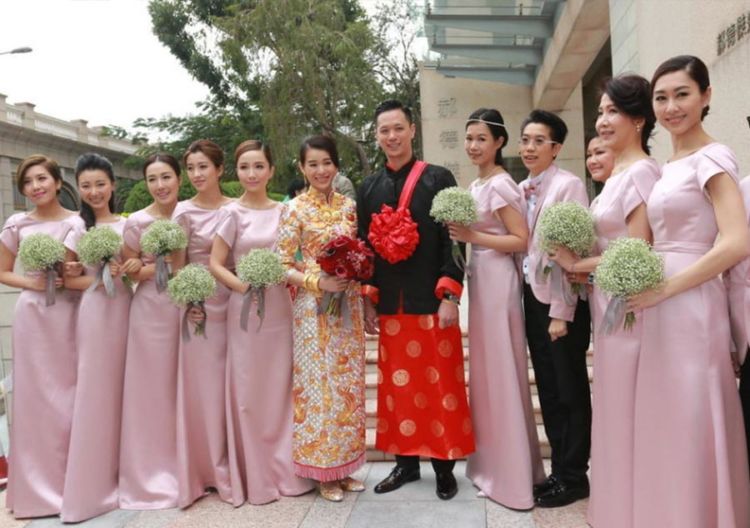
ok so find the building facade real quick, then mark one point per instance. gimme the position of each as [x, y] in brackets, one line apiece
[517, 55]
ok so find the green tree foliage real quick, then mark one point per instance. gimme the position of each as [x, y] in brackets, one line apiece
[305, 65]
[226, 126]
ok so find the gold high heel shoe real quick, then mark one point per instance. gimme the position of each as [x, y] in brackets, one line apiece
[331, 491]
[351, 484]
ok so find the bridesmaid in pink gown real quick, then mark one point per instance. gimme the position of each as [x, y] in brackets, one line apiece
[44, 352]
[626, 120]
[101, 336]
[507, 462]
[259, 359]
[201, 418]
[690, 463]
[148, 451]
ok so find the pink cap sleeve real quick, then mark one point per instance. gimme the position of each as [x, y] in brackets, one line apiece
[714, 160]
[640, 183]
[182, 218]
[74, 236]
[9, 234]
[131, 234]
[227, 227]
[505, 192]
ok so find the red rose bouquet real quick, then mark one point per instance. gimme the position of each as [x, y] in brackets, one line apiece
[346, 258]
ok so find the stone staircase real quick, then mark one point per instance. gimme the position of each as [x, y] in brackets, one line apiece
[371, 404]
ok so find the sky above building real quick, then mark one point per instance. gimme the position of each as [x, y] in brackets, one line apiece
[96, 60]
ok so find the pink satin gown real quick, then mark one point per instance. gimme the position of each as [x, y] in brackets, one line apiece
[690, 459]
[507, 462]
[259, 373]
[615, 361]
[201, 400]
[148, 451]
[91, 481]
[44, 383]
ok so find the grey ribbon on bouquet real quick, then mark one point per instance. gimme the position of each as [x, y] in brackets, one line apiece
[558, 283]
[200, 328]
[340, 297]
[614, 314]
[103, 276]
[259, 294]
[51, 276]
[163, 269]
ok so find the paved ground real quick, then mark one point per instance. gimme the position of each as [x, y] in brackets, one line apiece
[413, 506]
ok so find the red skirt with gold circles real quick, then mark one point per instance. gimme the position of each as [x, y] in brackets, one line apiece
[422, 406]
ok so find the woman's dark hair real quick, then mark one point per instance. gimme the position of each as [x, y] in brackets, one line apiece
[92, 161]
[295, 186]
[207, 147]
[37, 159]
[319, 143]
[558, 130]
[490, 116]
[690, 64]
[250, 145]
[162, 157]
[631, 94]
[393, 104]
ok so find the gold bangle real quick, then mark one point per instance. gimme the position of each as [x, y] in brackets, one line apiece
[311, 282]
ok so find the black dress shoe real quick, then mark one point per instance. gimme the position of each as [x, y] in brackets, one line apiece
[398, 477]
[447, 487]
[562, 494]
[544, 486]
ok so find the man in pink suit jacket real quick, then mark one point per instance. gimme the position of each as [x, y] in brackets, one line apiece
[558, 332]
[738, 289]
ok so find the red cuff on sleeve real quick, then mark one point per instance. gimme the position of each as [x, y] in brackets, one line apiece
[446, 284]
[371, 292]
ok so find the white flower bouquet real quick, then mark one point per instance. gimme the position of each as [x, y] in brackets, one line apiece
[41, 252]
[454, 205]
[627, 267]
[97, 247]
[567, 224]
[161, 238]
[190, 287]
[260, 268]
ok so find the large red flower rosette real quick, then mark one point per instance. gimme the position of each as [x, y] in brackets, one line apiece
[393, 234]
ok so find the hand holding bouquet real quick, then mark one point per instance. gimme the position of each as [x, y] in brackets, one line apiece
[160, 239]
[41, 252]
[344, 258]
[567, 224]
[628, 267]
[455, 205]
[192, 285]
[260, 268]
[98, 246]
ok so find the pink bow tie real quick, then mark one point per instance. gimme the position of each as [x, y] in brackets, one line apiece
[530, 190]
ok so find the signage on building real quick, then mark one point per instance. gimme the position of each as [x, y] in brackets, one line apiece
[735, 32]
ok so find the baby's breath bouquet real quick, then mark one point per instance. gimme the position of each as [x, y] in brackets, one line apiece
[454, 205]
[628, 266]
[260, 268]
[161, 238]
[96, 248]
[192, 285]
[567, 224]
[41, 252]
